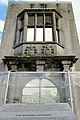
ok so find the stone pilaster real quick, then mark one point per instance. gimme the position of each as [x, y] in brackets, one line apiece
[40, 65]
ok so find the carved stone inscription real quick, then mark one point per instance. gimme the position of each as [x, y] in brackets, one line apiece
[36, 112]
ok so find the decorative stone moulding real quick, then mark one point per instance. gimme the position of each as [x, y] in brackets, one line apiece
[42, 50]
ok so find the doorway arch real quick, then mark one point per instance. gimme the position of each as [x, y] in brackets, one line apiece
[40, 91]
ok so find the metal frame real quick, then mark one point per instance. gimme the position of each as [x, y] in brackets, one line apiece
[68, 76]
[6, 91]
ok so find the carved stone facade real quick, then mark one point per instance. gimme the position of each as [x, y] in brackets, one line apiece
[39, 46]
[45, 50]
[40, 38]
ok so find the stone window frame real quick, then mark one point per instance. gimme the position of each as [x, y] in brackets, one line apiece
[22, 18]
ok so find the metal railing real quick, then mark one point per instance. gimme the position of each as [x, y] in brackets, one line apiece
[41, 87]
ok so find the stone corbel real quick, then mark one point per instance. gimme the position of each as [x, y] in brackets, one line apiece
[14, 68]
[66, 65]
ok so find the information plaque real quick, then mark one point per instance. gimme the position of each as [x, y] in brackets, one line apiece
[56, 111]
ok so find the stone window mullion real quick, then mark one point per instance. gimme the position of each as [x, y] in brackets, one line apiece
[25, 27]
[43, 27]
[35, 24]
[54, 27]
[59, 40]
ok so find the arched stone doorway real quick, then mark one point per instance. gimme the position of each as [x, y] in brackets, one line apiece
[40, 91]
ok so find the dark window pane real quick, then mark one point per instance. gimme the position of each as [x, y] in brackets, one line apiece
[39, 19]
[22, 22]
[21, 36]
[48, 20]
[30, 19]
[57, 23]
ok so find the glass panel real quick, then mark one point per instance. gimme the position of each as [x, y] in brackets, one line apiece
[33, 83]
[46, 83]
[3, 82]
[18, 82]
[37, 87]
[30, 93]
[44, 87]
[39, 19]
[39, 34]
[49, 92]
[48, 34]
[30, 34]
[75, 92]
[48, 20]
[49, 95]
[31, 20]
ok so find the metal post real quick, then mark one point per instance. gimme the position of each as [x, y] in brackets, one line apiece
[71, 98]
[7, 87]
[39, 90]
